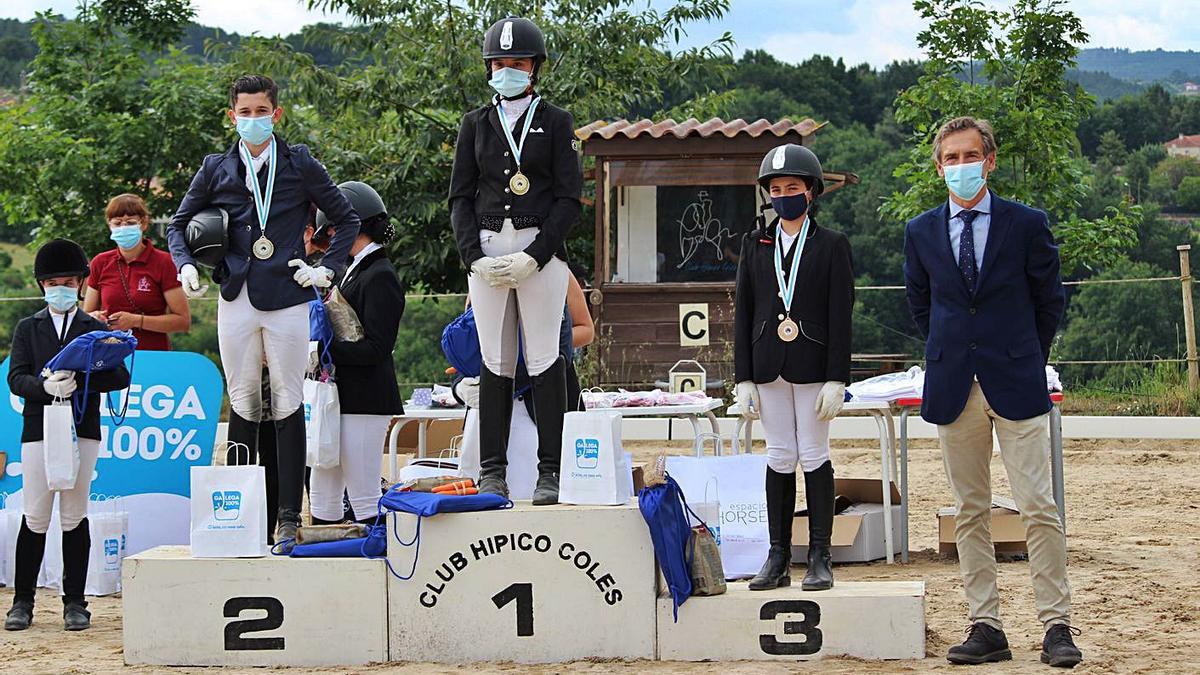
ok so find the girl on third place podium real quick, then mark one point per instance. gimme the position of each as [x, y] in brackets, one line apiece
[795, 292]
[514, 195]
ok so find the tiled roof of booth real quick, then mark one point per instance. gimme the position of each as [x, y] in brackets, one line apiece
[692, 127]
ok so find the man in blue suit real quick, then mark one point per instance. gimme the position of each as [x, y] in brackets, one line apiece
[982, 278]
[266, 186]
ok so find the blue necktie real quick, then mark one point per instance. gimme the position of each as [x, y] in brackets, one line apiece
[966, 250]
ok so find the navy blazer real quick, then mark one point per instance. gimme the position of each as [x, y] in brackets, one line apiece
[34, 343]
[1001, 333]
[299, 180]
[365, 376]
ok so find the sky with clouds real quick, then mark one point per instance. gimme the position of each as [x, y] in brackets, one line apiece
[872, 31]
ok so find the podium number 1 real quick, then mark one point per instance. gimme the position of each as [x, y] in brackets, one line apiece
[522, 593]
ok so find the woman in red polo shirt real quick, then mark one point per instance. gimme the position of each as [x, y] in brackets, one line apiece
[134, 286]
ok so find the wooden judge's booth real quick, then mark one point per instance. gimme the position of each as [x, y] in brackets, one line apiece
[672, 203]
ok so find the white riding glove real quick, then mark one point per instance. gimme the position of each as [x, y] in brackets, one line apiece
[60, 384]
[488, 269]
[307, 275]
[517, 267]
[467, 390]
[190, 278]
[746, 395]
[830, 401]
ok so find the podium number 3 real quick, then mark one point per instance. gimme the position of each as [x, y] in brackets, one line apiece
[811, 644]
[522, 593]
[235, 630]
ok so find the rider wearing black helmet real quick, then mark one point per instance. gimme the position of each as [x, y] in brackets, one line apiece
[795, 292]
[514, 195]
[366, 379]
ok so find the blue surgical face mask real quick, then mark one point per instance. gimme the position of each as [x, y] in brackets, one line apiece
[792, 207]
[255, 130]
[61, 299]
[509, 82]
[965, 180]
[126, 236]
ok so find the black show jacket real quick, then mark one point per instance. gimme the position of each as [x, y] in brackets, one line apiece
[822, 307]
[34, 343]
[483, 165]
[366, 379]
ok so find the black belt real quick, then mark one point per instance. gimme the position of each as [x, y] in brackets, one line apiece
[496, 223]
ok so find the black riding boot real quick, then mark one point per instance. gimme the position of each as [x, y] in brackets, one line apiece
[495, 417]
[818, 491]
[31, 548]
[268, 459]
[289, 433]
[549, 406]
[76, 545]
[781, 508]
[241, 432]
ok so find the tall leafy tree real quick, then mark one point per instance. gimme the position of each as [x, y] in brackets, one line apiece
[1007, 65]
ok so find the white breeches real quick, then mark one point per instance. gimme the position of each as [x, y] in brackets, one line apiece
[358, 471]
[536, 308]
[38, 501]
[245, 334]
[794, 434]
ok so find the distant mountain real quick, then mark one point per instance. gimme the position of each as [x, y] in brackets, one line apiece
[1104, 86]
[1144, 67]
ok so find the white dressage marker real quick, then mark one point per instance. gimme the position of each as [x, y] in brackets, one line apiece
[869, 620]
[273, 611]
[542, 584]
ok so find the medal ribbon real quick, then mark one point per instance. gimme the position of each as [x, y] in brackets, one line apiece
[512, 143]
[788, 288]
[261, 204]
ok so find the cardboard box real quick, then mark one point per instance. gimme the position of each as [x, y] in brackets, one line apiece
[437, 437]
[1008, 532]
[639, 477]
[857, 531]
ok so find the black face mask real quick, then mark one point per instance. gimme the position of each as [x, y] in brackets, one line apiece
[790, 208]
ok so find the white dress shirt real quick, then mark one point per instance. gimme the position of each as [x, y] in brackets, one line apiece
[979, 227]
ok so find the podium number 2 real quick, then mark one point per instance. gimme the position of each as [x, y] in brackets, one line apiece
[234, 630]
[522, 593]
[770, 644]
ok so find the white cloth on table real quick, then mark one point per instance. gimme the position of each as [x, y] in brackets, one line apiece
[889, 387]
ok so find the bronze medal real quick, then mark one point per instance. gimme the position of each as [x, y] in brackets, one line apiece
[519, 184]
[263, 248]
[788, 330]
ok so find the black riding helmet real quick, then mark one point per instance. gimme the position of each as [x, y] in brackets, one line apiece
[792, 160]
[372, 214]
[207, 236]
[60, 258]
[514, 38]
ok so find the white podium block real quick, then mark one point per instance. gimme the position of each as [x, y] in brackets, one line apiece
[541, 584]
[869, 620]
[273, 611]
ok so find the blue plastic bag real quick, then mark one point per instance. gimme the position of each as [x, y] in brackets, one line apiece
[424, 504]
[460, 344]
[320, 330]
[95, 351]
[662, 507]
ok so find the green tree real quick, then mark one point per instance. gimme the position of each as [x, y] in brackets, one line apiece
[1112, 150]
[1188, 195]
[102, 119]
[1008, 66]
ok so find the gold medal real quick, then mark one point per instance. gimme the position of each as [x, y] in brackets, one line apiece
[519, 184]
[263, 248]
[788, 330]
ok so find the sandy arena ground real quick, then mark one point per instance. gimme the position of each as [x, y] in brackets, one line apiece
[1133, 513]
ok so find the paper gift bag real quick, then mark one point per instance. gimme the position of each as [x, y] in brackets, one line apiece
[229, 512]
[61, 446]
[593, 469]
[322, 424]
[743, 536]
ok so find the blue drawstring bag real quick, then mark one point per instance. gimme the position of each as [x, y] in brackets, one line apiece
[319, 328]
[460, 344]
[424, 504]
[95, 351]
[662, 507]
[374, 545]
